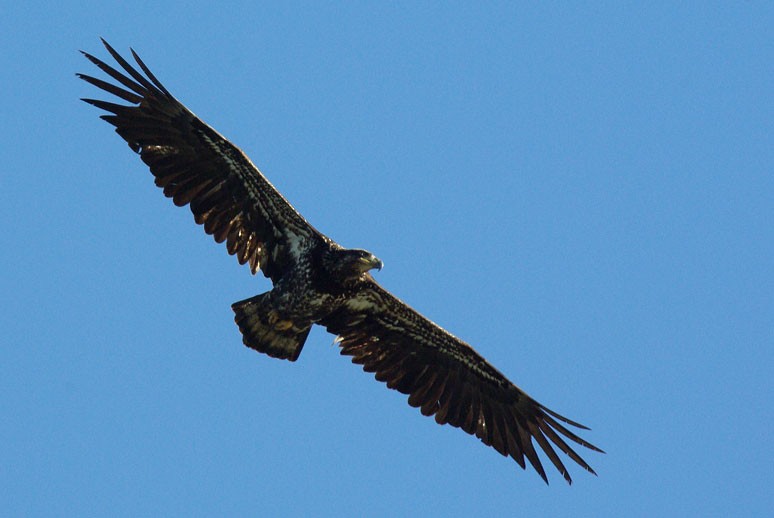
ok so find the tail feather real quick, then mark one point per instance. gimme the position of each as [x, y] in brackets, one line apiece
[264, 330]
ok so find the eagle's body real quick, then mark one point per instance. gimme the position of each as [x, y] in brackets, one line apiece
[316, 281]
[317, 285]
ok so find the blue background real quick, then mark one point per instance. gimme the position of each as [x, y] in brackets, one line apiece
[585, 194]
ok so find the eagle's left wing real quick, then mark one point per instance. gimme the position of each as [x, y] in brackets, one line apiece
[445, 377]
[197, 166]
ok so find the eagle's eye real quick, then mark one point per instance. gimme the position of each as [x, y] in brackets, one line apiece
[361, 261]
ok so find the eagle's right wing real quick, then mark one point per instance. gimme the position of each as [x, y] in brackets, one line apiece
[196, 165]
[445, 377]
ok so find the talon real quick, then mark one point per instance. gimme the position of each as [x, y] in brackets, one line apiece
[283, 325]
[273, 317]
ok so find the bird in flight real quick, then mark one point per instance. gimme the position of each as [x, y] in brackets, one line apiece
[317, 281]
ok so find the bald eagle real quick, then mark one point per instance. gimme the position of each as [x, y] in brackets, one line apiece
[316, 281]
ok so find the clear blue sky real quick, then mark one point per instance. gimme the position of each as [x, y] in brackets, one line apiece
[584, 194]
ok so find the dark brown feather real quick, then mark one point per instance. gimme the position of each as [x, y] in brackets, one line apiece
[197, 166]
[444, 377]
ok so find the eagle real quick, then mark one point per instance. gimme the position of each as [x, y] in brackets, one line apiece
[317, 281]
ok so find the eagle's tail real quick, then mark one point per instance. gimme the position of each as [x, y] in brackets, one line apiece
[267, 331]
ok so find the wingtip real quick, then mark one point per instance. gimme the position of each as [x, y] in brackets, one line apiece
[106, 44]
[91, 58]
[567, 477]
[576, 424]
[109, 47]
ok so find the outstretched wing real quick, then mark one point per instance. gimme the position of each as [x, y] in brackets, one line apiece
[445, 377]
[196, 165]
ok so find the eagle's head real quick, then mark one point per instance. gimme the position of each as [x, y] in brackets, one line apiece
[349, 264]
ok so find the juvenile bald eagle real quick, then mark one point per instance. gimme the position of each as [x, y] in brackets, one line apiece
[316, 281]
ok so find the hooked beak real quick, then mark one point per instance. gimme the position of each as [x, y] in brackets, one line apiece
[372, 262]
